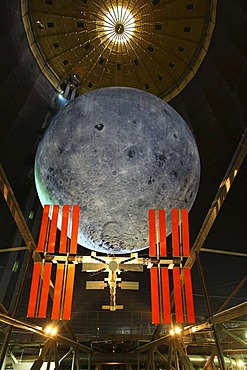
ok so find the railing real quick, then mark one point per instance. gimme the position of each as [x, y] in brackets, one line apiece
[117, 324]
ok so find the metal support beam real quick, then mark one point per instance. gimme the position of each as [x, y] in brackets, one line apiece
[39, 362]
[243, 342]
[238, 287]
[209, 365]
[75, 361]
[170, 355]
[49, 357]
[14, 208]
[218, 201]
[66, 354]
[230, 313]
[218, 251]
[3, 309]
[56, 357]
[210, 312]
[38, 330]
[162, 356]
[175, 354]
[17, 302]
[185, 361]
[151, 362]
[13, 358]
[157, 332]
[14, 249]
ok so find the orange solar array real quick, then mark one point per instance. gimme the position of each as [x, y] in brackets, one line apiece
[65, 272]
[157, 241]
[160, 278]
[152, 233]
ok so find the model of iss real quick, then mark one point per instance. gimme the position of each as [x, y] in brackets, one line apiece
[165, 273]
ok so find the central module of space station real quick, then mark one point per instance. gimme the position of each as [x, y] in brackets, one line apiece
[113, 266]
[165, 273]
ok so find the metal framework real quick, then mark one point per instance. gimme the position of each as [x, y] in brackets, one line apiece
[174, 346]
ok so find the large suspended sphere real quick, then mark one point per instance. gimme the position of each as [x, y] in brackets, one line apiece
[117, 152]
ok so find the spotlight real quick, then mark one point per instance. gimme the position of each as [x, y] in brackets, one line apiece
[50, 330]
[177, 330]
[240, 363]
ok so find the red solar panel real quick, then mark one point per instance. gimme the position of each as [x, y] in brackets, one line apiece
[177, 295]
[166, 295]
[43, 228]
[45, 290]
[56, 307]
[152, 233]
[162, 229]
[175, 233]
[53, 230]
[155, 295]
[67, 304]
[31, 311]
[74, 231]
[64, 230]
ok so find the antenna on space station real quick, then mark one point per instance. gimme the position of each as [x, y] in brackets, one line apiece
[164, 272]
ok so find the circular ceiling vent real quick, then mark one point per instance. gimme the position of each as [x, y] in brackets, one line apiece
[118, 25]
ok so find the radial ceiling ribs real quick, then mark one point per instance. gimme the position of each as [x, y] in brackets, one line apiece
[148, 45]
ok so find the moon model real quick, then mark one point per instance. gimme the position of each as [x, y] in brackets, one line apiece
[117, 152]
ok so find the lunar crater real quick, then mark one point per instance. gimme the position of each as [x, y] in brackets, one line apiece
[99, 127]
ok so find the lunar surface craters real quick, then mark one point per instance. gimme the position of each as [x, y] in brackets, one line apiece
[117, 152]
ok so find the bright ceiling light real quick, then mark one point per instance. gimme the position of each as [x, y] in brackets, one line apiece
[119, 24]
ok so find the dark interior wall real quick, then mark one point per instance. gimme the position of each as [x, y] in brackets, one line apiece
[25, 99]
[215, 105]
[26, 95]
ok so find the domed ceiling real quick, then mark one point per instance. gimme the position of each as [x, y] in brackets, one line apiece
[152, 45]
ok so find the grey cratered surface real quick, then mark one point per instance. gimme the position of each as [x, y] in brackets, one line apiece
[117, 152]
